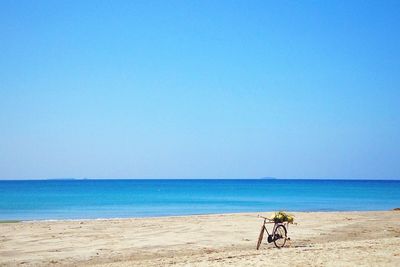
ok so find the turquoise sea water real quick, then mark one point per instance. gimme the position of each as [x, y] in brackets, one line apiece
[76, 199]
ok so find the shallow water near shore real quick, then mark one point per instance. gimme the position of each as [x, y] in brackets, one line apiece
[80, 199]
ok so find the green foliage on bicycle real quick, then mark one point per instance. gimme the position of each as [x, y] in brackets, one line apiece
[282, 216]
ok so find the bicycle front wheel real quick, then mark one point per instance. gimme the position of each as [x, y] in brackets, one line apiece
[260, 237]
[280, 236]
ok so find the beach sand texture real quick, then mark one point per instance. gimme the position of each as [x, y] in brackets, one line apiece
[319, 239]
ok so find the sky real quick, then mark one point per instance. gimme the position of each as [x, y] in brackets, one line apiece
[200, 89]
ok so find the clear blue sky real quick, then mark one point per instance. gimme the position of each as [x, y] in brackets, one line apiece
[199, 89]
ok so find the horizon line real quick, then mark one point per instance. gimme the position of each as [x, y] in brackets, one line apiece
[256, 178]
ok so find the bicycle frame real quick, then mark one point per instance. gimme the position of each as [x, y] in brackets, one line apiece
[271, 237]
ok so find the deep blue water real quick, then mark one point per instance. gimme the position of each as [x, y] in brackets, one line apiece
[76, 199]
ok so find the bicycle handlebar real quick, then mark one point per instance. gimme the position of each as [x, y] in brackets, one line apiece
[265, 218]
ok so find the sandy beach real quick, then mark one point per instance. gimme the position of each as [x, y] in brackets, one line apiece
[319, 239]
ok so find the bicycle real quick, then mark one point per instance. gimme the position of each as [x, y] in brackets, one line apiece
[279, 233]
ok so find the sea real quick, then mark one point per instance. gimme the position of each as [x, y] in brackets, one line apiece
[92, 199]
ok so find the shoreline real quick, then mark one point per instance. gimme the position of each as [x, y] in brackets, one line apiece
[360, 238]
[184, 215]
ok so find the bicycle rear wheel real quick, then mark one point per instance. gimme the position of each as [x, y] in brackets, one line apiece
[260, 237]
[280, 236]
